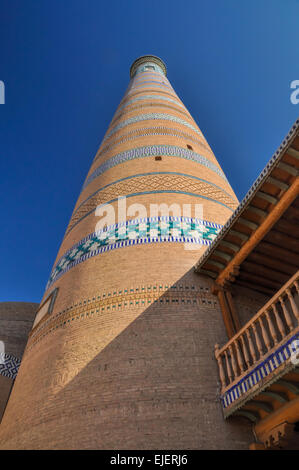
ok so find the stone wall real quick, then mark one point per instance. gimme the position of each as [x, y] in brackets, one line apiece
[16, 319]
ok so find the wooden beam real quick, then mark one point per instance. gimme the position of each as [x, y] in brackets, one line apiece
[285, 201]
[267, 197]
[288, 413]
[281, 239]
[208, 273]
[292, 213]
[278, 183]
[223, 255]
[231, 246]
[270, 262]
[291, 386]
[278, 396]
[287, 227]
[240, 235]
[247, 414]
[260, 281]
[293, 152]
[277, 252]
[262, 405]
[247, 223]
[267, 273]
[215, 263]
[257, 211]
[261, 289]
[288, 168]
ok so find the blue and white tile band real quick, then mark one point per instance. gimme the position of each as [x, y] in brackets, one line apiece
[264, 369]
[9, 365]
[159, 130]
[161, 229]
[150, 151]
[150, 117]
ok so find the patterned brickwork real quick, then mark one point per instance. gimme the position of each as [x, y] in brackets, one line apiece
[149, 105]
[149, 131]
[153, 183]
[151, 151]
[148, 97]
[130, 298]
[137, 93]
[125, 358]
[151, 117]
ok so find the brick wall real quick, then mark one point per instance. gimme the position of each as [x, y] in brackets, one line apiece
[16, 319]
[126, 358]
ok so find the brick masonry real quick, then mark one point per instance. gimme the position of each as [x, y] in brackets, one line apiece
[16, 320]
[125, 360]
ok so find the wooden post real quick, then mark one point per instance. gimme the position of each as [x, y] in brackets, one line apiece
[233, 310]
[230, 330]
[220, 366]
[286, 314]
[293, 304]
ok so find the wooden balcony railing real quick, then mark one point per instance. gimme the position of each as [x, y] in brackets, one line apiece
[261, 335]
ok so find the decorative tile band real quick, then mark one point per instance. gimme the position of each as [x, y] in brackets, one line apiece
[142, 80]
[258, 374]
[151, 117]
[132, 297]
[125, 98]
[144, 76]
[9, 365]
[151, 151]
[144, 131]
[166, 191]
[135, 232]
[150, 105]
[149, 97]
[132, 90]
[159, 83]
[146, 183]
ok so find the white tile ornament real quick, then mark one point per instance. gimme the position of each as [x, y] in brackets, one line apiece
[129, 233]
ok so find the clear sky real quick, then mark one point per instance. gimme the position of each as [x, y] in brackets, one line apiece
[65, 65]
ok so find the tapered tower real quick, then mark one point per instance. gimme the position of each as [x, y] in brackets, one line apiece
[121, 351]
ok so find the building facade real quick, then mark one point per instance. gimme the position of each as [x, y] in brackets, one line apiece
[16, 321]
[120, 355]
[256, 255]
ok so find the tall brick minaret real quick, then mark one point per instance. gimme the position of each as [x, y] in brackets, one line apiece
[121, 351]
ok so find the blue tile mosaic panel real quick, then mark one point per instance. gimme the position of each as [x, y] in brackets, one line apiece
[139, 231]
[9, 365]
[259, 373]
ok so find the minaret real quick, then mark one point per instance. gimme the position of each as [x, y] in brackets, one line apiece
[121, 351]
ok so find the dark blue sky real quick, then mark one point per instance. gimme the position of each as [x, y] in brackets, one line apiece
[65, 65]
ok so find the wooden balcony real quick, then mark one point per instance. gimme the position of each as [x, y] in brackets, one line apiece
[262, 352]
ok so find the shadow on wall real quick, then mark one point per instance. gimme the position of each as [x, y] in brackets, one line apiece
[154, 385]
